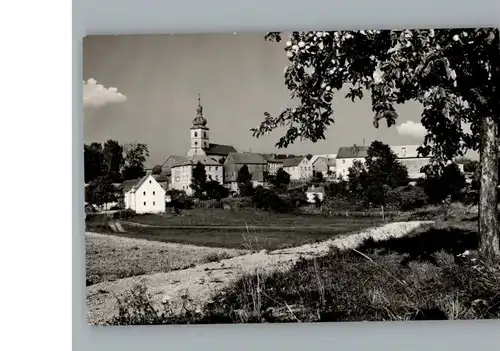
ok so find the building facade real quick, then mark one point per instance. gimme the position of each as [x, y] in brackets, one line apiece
[299, 168]
[257, 166]
[346, 157]
[182, 173]
[144, 195]
[273, 164]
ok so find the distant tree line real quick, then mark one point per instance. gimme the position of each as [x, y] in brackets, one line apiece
[110, 163]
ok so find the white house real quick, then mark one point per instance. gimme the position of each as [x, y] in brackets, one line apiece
[346, 157]
[144, 195]
[299, 168]
[182, 172]
[313, 191]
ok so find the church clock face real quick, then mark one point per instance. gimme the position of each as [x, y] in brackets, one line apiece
[177, 179]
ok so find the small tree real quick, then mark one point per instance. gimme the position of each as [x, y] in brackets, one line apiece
[318, 177]
[441, 184]
[135, 157]
[199, 180]
[215, 190]
[244, 181]
[282, 179]
[100, 191]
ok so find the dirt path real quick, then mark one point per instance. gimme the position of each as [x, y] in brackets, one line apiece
[202, 281]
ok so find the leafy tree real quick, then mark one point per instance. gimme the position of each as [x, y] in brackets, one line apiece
[113, 159]
[157, 170]
[100, 191]
[443, 183]
[216, 190]
[282, 179]
[93, 161]
[318, 177]
[135, 157]
[453, 73]
[244, 181]
[471, 166]
[356, 178]
[199, 179]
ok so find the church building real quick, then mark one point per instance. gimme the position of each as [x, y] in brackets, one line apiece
[200, 140]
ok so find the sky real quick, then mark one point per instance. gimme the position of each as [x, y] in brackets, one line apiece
[145, 88]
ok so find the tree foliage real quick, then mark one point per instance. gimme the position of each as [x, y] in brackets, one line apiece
[136, 155]
[449, 182]
[113, 159]
[244, 181]
[93, 161]
[453, 73]
[281, 180]
[100, 191]
[199, 179]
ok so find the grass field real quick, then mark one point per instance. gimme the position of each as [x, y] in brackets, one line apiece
[424, 276]
[110, 257]
[242, 218]
[313, 229]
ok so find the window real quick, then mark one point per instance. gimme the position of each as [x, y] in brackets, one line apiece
[204, 134]
[195, 134]
[153, 194]
[216, 168]
[343, 161]
[144, 203]
[195, 143]
[150, 183]
[143, 193]
[153, 203]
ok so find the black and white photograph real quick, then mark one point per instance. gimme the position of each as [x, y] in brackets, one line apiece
[292, 177]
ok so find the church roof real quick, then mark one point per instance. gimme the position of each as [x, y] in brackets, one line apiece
[199, 121]
[192, 161]
[219, 149]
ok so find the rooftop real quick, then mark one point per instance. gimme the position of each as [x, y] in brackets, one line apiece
[245, 158]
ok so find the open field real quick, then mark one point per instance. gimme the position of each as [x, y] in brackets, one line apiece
[194, 286]
[432, 273]
[216, 217]
[109, 258]
[252, 238]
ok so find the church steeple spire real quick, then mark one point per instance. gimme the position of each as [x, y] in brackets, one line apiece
[199, 121]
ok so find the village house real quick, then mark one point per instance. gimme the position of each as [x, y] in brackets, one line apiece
[273, 163]
[257, 166]
[408, 156]
[323, 165]
[144, 195]
[346, 157]
[299, 168]
[182, 173]
[315, 191]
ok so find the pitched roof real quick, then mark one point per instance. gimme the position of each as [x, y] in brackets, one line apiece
[132, 184]
[160, 178]
[246, 158]
[352, 152]
[271, 158]
[219, 149]
[292, 162]
[318, 189]
[176, 158]
[204, 160]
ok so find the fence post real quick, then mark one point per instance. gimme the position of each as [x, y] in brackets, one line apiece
[383, 216]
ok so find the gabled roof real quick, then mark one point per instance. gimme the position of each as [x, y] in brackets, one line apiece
[219, 149]
[271, 158]
[160, 178]
[133, 184]
[326, 160]
[176, 158]
[318, 189]
[204, 160]
[245, 158]
[292, 162]
[352, 152]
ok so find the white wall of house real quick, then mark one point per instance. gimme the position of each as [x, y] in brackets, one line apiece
[306, 169]
[310, 196]
[293, 171]
[182, 176]
[149, 197]
[342, 166]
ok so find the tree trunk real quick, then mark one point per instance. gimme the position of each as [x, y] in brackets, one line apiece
[489, 245]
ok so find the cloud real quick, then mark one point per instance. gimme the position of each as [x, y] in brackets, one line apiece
[96, 95]
[412, 129]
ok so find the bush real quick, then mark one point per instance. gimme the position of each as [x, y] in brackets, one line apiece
[406, 198]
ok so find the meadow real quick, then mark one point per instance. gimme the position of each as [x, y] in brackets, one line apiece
[247, 230]
[109, 257]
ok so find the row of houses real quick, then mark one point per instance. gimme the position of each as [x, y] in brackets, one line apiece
[223, 162]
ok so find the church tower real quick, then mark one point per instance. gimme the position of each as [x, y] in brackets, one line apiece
[199, 133]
